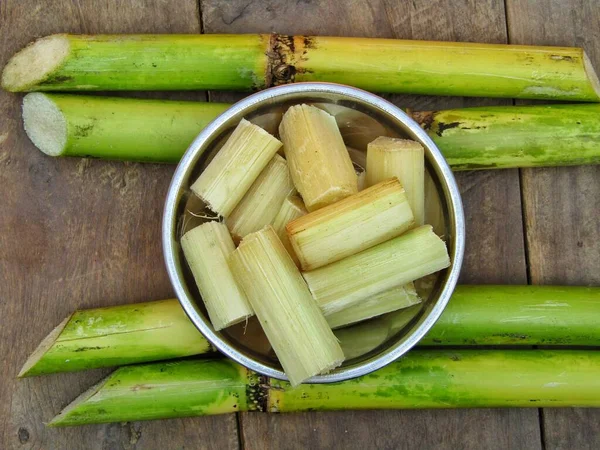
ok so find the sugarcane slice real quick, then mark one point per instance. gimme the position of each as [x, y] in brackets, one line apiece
[225, 181]
[413, 255]
[356, 223]
[319, 161]
[207, 249]
[402, 158]
[291, 319]
[263, 200]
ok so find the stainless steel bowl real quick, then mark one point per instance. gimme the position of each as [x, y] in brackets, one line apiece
[362, 117]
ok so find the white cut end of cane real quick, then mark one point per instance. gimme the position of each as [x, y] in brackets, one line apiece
[591, 73]
[44, 124]
[81, 398]
[44, 346]
[35, 63]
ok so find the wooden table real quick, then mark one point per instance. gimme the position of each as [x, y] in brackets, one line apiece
[80, 233]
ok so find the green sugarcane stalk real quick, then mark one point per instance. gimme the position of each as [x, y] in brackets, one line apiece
[475, 315]
[519, 315]
[107, 337]
[66, 62]
[421, 379]
[161, 131]
[115, 128]
[500, 137]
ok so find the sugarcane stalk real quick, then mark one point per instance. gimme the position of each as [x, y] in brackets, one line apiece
[498, 137]
[161, 130]
[254, 61]
[519, 315]
[64, 62]
[421, 379]
[113, 127]
[475, 315]
[117, 335]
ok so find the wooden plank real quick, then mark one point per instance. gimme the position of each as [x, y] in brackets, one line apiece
[79, 234]
[562, 204]
[495, 250]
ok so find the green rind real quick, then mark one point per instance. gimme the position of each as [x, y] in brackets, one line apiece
[519, 315]
[253, 61]
[448, 68]
[132, 129]
[471, 138]
[516, 136]
[475, 315]
[421, 379]
[120, 335]
[457, 379]
[159, 62]
[163, 391]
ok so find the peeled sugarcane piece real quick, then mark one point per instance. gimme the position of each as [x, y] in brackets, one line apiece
[420, 379]
[254, 61]
[113, 127]
[376, 305]
[347, 227]
[117, 335]
[236, 166]
[402, 158]
[263, 200]
[499, 137]
[319, 162]
[296, 328]
[292, 208]
[207, 249]
[344, 283]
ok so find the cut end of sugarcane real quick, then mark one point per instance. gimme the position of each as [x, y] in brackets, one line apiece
[591, 73]
[35, 63]
[41, 349]
[44, 124]
[62, 419]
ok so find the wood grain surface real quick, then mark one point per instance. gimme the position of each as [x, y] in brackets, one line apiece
[79, 234]
[562, 205]
[493, 216]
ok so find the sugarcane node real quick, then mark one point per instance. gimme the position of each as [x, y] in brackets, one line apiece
[423, 118]
[280, 57]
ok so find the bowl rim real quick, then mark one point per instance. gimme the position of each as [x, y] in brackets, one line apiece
[186, 164]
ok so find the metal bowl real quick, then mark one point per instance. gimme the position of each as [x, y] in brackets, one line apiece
[362, 117]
